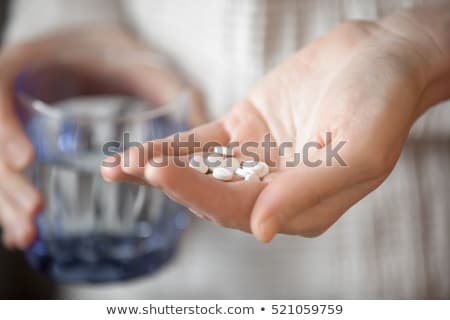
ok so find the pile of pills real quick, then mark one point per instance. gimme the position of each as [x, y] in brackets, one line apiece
[224, 166]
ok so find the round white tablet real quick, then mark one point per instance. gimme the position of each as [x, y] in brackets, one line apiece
[198, 163]
[231, 163]
[260, 168]
[214, 160]
[223, 150]
[252, 177]
[222, 174]
[242, 172]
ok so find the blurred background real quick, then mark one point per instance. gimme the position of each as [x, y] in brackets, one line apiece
[392, 245]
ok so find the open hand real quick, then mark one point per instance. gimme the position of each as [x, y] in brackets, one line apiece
[359, 89]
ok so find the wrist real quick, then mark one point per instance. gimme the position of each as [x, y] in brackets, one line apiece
[427, 31]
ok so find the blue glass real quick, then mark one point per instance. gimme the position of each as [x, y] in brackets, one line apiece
[90, 230]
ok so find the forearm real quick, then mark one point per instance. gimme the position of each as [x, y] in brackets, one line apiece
[428, 30]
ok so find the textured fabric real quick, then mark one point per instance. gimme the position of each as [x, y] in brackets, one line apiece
[393, 244]
[34, 17]
[225, 46]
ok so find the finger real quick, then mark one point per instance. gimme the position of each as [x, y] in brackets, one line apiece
[308, 187]
[18, 228]
[134, 160]
[112, 172]
[17, 150]
[227, 203]
[19, 191]
[19, 203]
[316, 220]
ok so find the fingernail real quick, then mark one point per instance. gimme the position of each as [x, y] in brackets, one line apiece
[107, 174]
[106, 178]
[267, 229]
[111, 161]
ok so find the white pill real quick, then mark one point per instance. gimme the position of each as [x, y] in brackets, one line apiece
[222, 174]
[231, 163]
[242, 172]
[252, 177]
[249, 164]
[245, 171]
[225, 151]
[260, 168]
[198, 163]
[214, 160]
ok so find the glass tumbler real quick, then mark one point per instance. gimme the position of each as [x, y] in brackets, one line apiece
[70, 107]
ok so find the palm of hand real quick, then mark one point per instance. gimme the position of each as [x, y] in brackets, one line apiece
[345, 84]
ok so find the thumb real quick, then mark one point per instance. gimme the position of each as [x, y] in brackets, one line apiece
[297, 189]
[17, 151]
